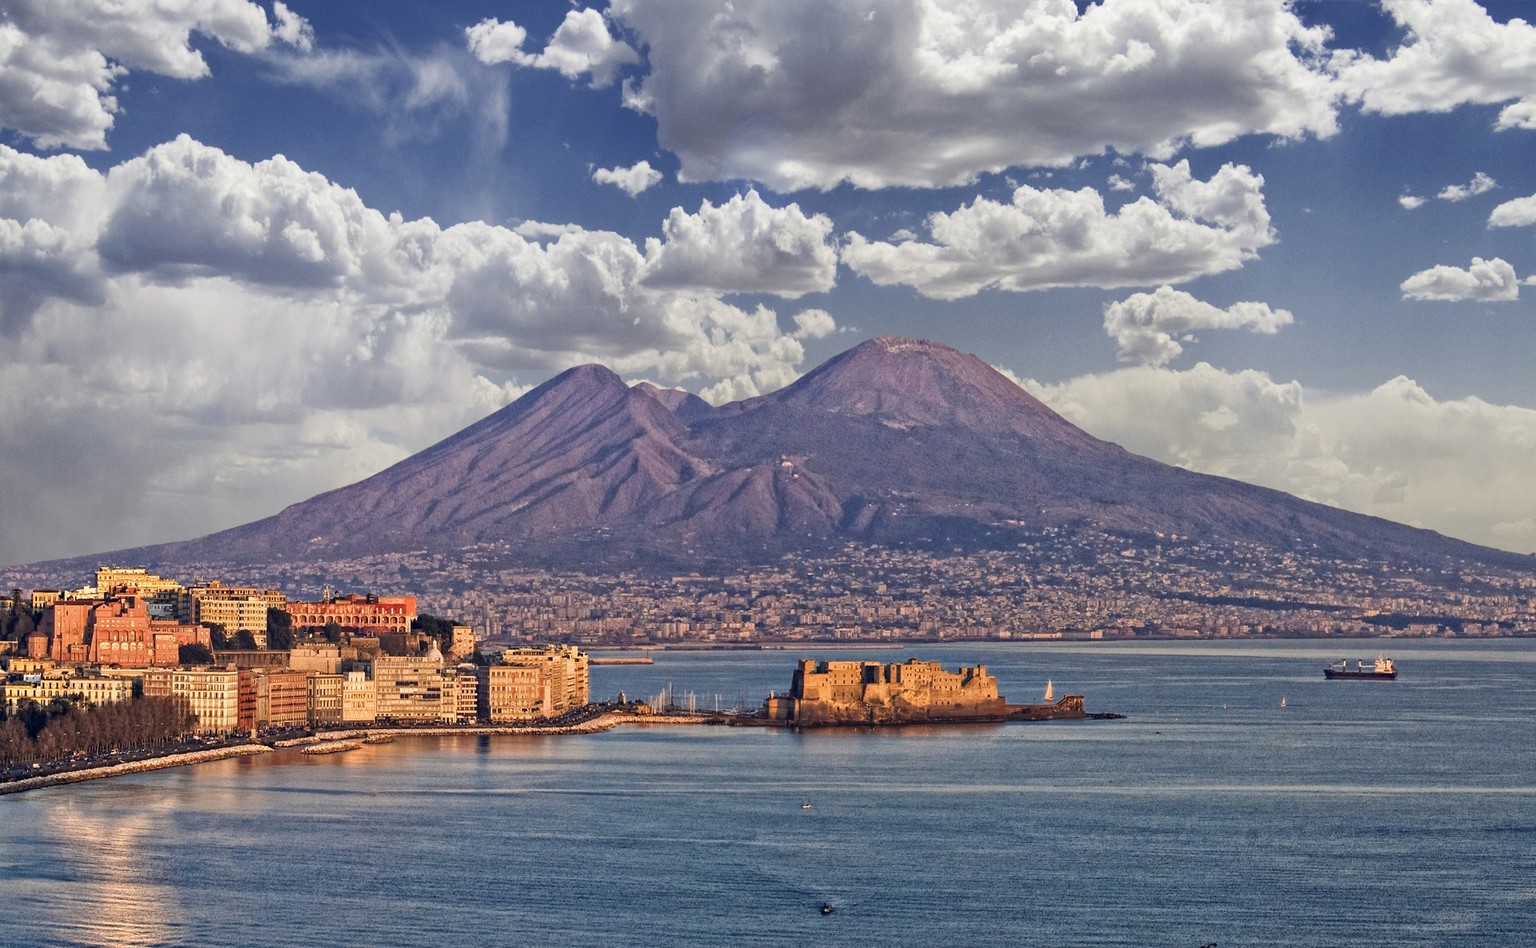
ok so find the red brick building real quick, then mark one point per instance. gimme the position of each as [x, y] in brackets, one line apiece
[116, 631]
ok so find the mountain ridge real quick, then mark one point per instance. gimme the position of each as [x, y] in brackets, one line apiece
[895, 441]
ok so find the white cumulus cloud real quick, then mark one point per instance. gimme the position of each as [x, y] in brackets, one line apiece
[1455, 54]
[1480, 184]
[803, 93]
[1521, 212]
[1149, 327]
[1056, 238]
[632, 180]
[50, 212]
[1484, 281]
[60, 60]
[814, 324]
[493, 41]
[1460, 466]
[743, 245]
[581, 45]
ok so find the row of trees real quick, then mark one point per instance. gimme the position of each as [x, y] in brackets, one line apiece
[65, 726]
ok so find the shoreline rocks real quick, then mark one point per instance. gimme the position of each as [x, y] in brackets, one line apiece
[132, 767]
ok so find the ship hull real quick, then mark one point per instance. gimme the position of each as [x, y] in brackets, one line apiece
[1332, 673]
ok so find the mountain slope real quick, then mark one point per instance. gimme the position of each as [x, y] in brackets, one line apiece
[894, 441]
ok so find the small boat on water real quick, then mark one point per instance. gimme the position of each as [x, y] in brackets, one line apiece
[1381, 670]
[827, 909]
[805, 806]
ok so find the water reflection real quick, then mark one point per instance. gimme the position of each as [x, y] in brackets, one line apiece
[111, 897]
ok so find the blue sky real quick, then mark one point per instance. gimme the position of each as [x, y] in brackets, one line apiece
[252, 251]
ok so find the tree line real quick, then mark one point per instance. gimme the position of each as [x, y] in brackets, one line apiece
[66, 726]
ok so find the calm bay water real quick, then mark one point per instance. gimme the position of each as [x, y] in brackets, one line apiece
[1359, 813]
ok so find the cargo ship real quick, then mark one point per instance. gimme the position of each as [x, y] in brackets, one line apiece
[1381, 670]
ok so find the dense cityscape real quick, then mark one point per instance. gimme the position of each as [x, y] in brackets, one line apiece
[211, 660]
[1080, 586]
[247, 655]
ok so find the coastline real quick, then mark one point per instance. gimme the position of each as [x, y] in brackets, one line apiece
[602, 722]
[132, 767]
[596, 725]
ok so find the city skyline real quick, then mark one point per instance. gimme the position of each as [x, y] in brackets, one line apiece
[261, 252]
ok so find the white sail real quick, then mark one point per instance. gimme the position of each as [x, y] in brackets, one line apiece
[1050, 692]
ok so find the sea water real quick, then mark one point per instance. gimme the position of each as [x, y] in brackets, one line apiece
[1244, 800]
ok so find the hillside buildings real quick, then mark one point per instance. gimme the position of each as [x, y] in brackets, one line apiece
[235, 608]
[375, 615]
[117, 630]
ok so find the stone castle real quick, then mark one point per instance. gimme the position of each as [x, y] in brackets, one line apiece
[847, 692]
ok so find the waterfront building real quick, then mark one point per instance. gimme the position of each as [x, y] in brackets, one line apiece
[213, 695]
[359, 699]
[415, 688]
[530, 683]
[43, 687]
[324, 697]
[282, 697]
[245, 713]
[467, 692]
[509, 694]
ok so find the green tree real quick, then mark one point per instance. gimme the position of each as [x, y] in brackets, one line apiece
[245, 640]
[439, 628]
[195, 653]
[219, 636]
[12, 618]
[279, 630]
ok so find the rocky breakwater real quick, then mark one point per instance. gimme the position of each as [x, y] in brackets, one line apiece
[132, 767]
[594, 725]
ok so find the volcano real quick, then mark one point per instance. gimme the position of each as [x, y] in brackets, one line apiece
[896, 441]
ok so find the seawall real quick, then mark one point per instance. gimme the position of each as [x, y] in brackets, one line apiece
[132, 767]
